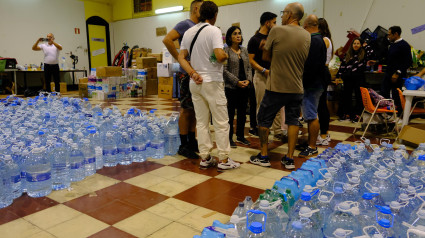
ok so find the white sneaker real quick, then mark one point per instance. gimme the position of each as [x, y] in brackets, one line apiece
[229, 165]
[321, 141]
[208, 162]
[328, 137]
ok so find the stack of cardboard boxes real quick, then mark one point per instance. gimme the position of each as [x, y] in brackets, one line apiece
[149, 65]
[165, 75]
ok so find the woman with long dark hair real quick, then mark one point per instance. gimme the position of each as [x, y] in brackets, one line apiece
[352, 69]
[237, 76]
[324, 137]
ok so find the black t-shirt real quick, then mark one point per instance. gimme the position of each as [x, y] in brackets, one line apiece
[314, 67]
[242, 75]
[254, 48]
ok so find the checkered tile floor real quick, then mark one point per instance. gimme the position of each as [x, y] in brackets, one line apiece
[169, 197]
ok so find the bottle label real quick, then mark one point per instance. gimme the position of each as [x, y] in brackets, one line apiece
[109, 152]
[157, 145]
[124, 151]
[16, 178]
[38, 177]
[89, 160]
[76, 165]
[139, 148]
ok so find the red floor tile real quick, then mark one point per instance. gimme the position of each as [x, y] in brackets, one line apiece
[111, 232]
[207, 191]
[114, 212]
[224, 204]
[89, 202]
[24, 205]
[345, 129]
[7, 216]
[124, 172]
[138, 197]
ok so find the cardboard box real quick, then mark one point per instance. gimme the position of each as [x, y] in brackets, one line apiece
[145, 62]
[165, 91]
[62, 88]
[165, 81]
[151, 73]
[164, 70]
[167, 58]
[158, 56]
[83, 80]
[83, 90]
[108, 71]
[413, 133]
[152, 87]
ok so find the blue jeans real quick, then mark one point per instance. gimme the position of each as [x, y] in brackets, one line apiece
[311, 103]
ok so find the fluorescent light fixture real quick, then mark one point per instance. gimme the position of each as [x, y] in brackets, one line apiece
[169, 9]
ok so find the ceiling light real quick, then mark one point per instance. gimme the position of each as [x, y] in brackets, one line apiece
[169, 9]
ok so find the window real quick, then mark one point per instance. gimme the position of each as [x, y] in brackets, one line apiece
[142, 6]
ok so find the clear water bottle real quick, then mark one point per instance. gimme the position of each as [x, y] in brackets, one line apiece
[5, 186]
[60, 167]
[172, 133]
[247, 204]
[96, 142]
[385, 220]
[24, 158]
[15, 176]
[256, 223]
[124, 150]
[76, 161]
[324, 204]
[157, 144]
[344, 217]
[139, 146]
[239, 224]
[38, 174]
[109, 151]
[305, 216]
[239, 210]
[89, 157]
[382, 181]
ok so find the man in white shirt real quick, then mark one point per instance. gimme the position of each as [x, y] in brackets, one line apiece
[204, 44]
[51, 60]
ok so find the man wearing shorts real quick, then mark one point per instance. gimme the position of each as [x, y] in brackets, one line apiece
[287, 48]
[187, 120]
[313, 82]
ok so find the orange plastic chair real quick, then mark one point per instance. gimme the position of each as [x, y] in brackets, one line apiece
[370, 108]
[414, 110]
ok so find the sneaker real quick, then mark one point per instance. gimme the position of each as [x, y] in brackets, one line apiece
[208, 162]
[243, 141]
[194, 146]
[355, 119]
[186, 152]
[260, 160]
[301, 147]
[253, 132]
[230, 164]
[308, 152]
[328, 137]
[289, 163]
[233, 144]
[281, 137]
[321, 141]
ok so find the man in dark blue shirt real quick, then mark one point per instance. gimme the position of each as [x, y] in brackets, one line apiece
[399, 59]
[313, 82]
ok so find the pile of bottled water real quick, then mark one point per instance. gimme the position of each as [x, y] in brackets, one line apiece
[347, 191]
[50, 141]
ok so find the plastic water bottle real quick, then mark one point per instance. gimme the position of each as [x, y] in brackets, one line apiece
[38, 174]
[273, 225]
[139, 146]
[63, 64]
[386, 189]
[247, 203]
[239, 224]
[305, 216]
[94, 138]
[109, 151]
[157, 144]
[60, 167]
[385, 220]
[89, 157]
[305, 201]
[256, 223]
[172, 133]
[124, 150]
[5, 186]
[324, 204]
[15, 176]
[76, 161]
[240, 210]
[24, 158]
[344, 217]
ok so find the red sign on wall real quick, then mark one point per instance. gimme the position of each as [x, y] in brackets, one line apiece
[77, 31]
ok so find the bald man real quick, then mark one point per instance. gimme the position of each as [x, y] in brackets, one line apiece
[286, 48]
[51, 60]
[314, 83]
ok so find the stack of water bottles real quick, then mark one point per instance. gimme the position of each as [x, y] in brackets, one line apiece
[50, 141]
[364, 190]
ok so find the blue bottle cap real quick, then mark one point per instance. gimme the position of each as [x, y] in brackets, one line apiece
[384, 223]
[384, 209]
[256, 227]
[421, 157]
[305, 196]
[41, 133]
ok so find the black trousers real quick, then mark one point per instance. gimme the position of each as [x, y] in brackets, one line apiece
[237, 99]
[352, 84]
[323, 113]
[49, 71]
[388, 86]
[252, 107]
